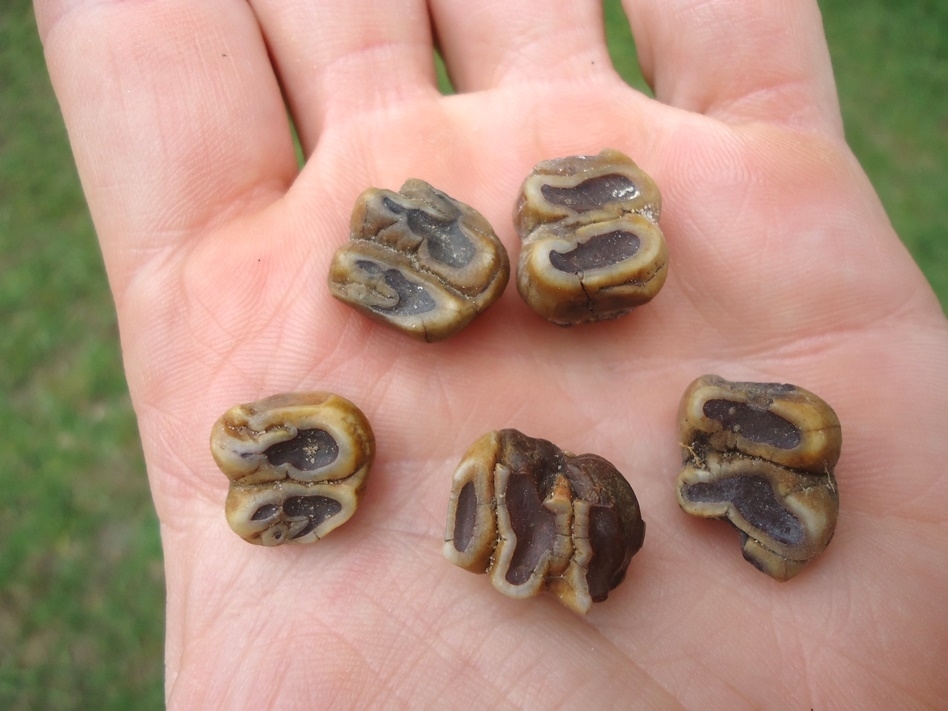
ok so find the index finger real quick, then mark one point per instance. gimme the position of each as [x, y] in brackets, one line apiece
[738, 60]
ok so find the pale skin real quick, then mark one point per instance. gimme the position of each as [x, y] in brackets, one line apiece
[783, 267]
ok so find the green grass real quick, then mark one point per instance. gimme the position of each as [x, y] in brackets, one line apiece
[891, 64]
[81, 586]
[81, 583]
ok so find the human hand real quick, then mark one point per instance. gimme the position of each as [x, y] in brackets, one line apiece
[783, 267]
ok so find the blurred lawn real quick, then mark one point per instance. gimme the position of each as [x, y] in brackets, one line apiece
[81, 583]
[81, 586]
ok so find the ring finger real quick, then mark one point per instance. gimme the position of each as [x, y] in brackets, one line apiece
[334, 57]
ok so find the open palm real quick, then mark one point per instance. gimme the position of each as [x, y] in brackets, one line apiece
[783, 267]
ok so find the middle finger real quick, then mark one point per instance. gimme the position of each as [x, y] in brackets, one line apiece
[487, 44]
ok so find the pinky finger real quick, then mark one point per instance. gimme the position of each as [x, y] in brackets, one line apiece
[174, 115]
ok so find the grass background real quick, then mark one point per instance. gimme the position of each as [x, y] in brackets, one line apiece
[81, 585]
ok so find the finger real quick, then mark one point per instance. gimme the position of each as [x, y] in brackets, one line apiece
[738, 59]
[174, 115]
[507, 41]
[336, 58]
